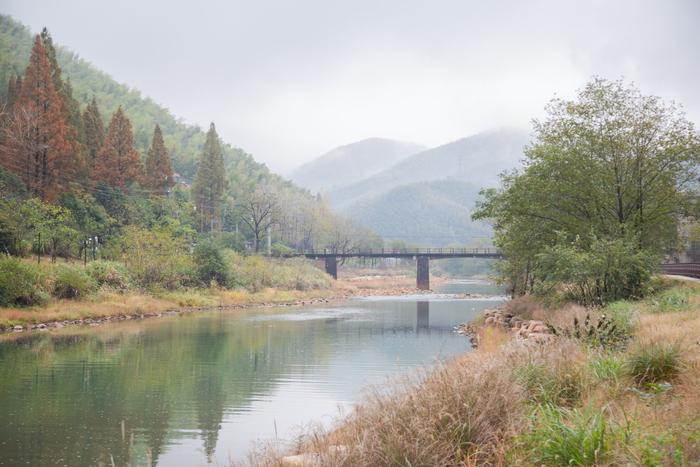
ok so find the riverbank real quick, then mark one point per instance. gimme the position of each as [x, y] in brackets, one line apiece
[617, 386]
[107, 306]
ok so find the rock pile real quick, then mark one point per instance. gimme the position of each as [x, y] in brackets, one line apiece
[524, 329]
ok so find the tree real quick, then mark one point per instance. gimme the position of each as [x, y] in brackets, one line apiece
[94, 131]
[259, 211]
[70, 107]
[13, 87]
[159, 172]
[613, 164]
[118, 163]
[35, 144]
[49, 224]
[210, 182]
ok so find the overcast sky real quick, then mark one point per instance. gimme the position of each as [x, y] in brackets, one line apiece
[289, 80]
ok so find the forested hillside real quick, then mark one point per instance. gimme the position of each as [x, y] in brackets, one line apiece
[428, 213]
[182, 140]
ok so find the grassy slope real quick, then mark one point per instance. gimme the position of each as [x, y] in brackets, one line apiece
[510, 403]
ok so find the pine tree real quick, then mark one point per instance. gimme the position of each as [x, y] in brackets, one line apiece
[159, 172]
[94, 131]
[210, 182]
[35, 146]
[118, 163]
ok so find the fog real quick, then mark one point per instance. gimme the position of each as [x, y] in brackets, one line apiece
[288, 81]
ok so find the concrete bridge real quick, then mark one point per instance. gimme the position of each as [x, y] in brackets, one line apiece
[422, 256]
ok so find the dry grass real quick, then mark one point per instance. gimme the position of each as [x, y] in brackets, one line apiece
[106, 303]
[510, 403]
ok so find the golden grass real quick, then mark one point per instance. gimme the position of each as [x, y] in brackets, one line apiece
[485, 408]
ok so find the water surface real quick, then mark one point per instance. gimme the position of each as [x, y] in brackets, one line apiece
[201, 388]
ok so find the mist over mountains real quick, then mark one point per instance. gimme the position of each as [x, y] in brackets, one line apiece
[351, 163]
[427, 197]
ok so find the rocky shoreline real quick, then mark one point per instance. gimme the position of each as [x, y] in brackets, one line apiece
[139, 315]
[522, 329]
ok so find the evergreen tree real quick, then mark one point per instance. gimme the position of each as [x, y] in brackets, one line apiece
[70, 107]
[35, 146]
[210, 182]
[94, 131]
[159, 173]
[118, 163]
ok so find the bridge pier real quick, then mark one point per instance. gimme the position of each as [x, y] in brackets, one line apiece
[332, 266]
[423, 272]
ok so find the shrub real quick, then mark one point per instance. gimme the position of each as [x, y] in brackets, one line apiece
[71, 282]
[154, 258]
[653, 363]
[596, 271]
[210, 264]
[568, 437]
[20, 283]
[109, 273]
[599, 331]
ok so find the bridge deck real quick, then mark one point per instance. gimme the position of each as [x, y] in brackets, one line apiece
[431, 253]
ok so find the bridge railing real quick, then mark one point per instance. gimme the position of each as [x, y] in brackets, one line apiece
[402, 251]
[682, 269]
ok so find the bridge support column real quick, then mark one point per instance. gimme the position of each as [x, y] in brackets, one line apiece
[423, 273]
[332, 266]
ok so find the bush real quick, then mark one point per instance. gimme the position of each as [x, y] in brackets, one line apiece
[71, 282]
[653, 363]
[20, 283]
[154, 258]
[109, 273]
[671, 300]
[210, 264]
[599, 331]
[568, 437]
[597, 271]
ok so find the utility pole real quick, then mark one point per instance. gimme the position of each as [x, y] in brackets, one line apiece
[269, 241]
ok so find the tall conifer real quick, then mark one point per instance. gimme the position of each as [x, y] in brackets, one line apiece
[159, 172]
[35, 146]
[70, 107]
[118, 163]
[94, 131]
[12, 92]
[210, 182]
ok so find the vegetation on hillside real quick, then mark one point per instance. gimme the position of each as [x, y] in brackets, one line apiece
[608, 181]
[76, 188]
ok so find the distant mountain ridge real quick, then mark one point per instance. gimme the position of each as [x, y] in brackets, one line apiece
[477, 159]
[427, 198]
[351, 163]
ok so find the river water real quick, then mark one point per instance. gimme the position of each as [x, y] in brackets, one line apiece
[201, 388]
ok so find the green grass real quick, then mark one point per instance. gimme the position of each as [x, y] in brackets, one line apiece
[568, 437]
[654, 363]
[606, 367]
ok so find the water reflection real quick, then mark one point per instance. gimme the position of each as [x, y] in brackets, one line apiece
[200, 388]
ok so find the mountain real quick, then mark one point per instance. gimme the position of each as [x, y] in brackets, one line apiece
[183, 141]
[436, 213]
[476, 160]
[351, 163]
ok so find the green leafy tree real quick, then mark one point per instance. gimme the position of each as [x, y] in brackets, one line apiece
[611, 165]
[49, 224]
[210, 183]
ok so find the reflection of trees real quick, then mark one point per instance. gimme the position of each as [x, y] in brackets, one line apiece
[64, 396]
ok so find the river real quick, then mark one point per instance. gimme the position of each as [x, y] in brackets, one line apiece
[201, 388]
